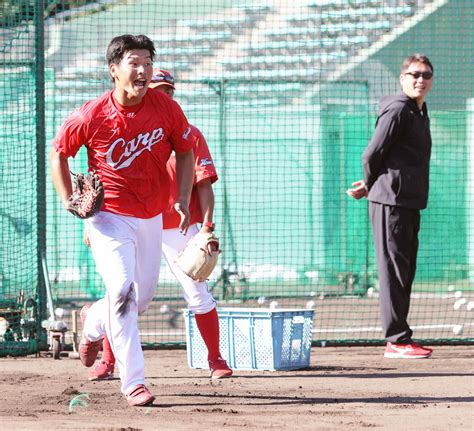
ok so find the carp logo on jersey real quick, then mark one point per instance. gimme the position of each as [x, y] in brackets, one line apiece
[121, 153]
[205, 162]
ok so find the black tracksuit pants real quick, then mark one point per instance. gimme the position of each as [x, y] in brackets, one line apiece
[395, 232]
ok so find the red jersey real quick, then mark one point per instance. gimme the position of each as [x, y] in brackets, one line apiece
[203, 168]
[128, 147]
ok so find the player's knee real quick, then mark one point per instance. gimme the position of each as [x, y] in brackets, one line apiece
[125, 300]
[202, 307]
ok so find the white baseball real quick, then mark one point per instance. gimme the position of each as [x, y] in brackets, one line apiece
[59, 312]
[273, 304]
[310, 304]
[451, 288]
[457, 329]
[458, 294]
[164, 308]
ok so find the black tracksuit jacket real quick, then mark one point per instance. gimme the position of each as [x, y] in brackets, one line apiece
[396, 161]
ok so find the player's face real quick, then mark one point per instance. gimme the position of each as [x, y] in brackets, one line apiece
[416, 81]
[166, 89]
[133, 74]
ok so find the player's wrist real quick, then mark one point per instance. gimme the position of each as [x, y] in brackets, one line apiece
[209, 224]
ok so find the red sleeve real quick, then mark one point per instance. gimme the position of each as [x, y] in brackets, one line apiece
[204, 165]
[71, 135]
[180, 136]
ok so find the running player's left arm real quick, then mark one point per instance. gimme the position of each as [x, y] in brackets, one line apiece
[60, 174]
[66, 143]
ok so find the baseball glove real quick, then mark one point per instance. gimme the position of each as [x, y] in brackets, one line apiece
[87, 197]
[199, 257]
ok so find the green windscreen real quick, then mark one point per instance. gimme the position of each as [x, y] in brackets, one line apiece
[286, 94]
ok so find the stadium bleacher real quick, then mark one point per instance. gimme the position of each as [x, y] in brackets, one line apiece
[325, 32]
[265, 42]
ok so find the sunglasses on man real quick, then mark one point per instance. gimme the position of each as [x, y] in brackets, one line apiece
[424, 75]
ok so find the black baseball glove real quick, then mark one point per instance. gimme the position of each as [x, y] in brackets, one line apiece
[87, 197]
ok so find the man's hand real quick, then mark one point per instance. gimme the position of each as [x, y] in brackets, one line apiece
[182, 209]
[359, 191]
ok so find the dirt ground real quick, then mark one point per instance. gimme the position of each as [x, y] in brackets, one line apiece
[345, 388]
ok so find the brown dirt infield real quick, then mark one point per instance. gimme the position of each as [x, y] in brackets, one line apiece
[345, 388]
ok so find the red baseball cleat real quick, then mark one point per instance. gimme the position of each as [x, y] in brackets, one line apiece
[103, 371]
[425, 348]
[407, 351]
[219, 369]
[88, 350]
[139, 396]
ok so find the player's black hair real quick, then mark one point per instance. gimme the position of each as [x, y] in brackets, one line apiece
[120, 45]
[416, 58]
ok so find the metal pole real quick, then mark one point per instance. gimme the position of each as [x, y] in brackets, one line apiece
[367, 221]
[40, 167]
[224, 278]
[223, 147]
[227, 232]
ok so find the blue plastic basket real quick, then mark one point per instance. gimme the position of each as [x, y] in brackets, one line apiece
[256, 338]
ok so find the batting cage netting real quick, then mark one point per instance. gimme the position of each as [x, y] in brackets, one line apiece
[286, 93]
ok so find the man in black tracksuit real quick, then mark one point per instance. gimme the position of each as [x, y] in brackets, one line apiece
[396, 181]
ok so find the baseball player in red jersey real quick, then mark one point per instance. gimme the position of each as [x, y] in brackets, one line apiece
[196, 294]
[129, 134]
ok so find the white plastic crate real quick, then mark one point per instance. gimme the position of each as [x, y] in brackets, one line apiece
[256, 338]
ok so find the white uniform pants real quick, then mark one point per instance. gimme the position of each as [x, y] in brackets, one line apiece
[196, 294]
[127, 252]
